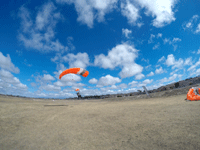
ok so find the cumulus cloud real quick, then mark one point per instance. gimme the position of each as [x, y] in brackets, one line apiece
[129, 70]
[150, 74]
[80, 60]
[71, 77]
[161, 59]
[123, 56]
[122, 86]
[151, 38]
[93, 81]
[89, 10]
[126, 32]
[198, 51]
[130, 12]
[133, 83]
[39, 33]
[193, 67]
[139, 76]
[147, 81]
[156, 46]
[6, 63]
[159, 35]
[172, 42]
[188, 61]
[161, 10]
[170, 61]
[159, 71]
[198, 29]
[192, 25]
[10, 84]
[108, 80]
[50, 88]
[48, 77]
[171, 78]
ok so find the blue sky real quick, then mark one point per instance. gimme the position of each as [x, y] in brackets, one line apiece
[124, 44]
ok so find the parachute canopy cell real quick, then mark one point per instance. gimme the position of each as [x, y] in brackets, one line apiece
[79, 71]
[193, 94]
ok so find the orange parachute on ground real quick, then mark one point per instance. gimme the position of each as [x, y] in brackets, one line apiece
[193, 94]
[79, 71]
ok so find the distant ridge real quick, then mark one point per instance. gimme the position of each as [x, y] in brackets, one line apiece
[182, 86]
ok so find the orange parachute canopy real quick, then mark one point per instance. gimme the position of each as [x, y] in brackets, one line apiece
[77, 90]
[193, 95]
[79, 71]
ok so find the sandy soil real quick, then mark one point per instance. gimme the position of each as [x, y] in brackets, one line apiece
[109, 124]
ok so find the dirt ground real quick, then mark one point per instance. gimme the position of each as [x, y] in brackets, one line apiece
[109, 124]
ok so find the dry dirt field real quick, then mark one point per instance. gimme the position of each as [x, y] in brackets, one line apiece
[109, 124]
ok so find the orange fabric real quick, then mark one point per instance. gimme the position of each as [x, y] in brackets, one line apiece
[71, 70]
[85, 74]
[191, 95]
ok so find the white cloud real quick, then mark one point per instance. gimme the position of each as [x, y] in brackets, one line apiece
[93, 81]
[130, 12]
[71, 77]
[108, 80]
[151, 38]
[198, 71]
[33, 84]
[173, 72]
[162, 10]
[171, 78]
[139, 76]
[156, 46]
[159, 71]
[193, 67]
[6, 63]
[147, 81]
[48, 77]
[147, 66]
[80, 60]
[126, 32]
[50, 88]
[10, 84]
[198, 52]
[172, 42]
[39, 34]
[188, 61]
[133, 83]
[170, 60]
[161, 59]
[150, 74]
[159, 35]
[198, 28]
[122, 86]
[177, 63]
[176, 40]
[130, 70]
[89, 10]
[192, 25]
[123, 56]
